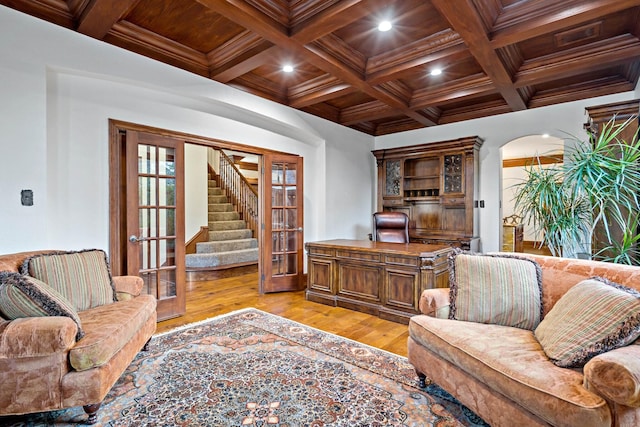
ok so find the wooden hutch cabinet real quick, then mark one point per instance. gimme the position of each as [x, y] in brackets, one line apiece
[436, 186]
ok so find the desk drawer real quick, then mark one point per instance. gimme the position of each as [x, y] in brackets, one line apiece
[321, 251]
[401, 260]
[357, 255]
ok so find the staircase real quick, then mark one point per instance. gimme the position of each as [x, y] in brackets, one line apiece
[231, 246]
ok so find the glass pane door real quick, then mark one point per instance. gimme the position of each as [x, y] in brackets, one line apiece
[156, 236]
[156, 210]
[283, 269]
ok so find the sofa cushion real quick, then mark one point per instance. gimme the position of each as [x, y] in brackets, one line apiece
[593, 317]
[497, 289]
[108, 328]
[511, 361]
[82, 277]
[24, 296]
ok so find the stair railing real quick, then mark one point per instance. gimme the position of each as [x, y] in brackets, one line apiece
[240, 193]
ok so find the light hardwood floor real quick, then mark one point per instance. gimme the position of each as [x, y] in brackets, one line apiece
[212, 298]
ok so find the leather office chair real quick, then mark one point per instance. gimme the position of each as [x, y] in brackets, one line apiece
[392, 227]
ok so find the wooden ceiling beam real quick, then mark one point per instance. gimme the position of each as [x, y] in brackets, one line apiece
[317, 90]
[454, 91]
[57, 12]
[398, 71]
[445, 44]
[335, 17]
[99, 16]
[464, 19]
[544, 22]
[234, 70]
[365, 112]
[260, 87]
[350, 58]
[321, 24]
[394, 126]
[245, 15]
[126, 34]
[226, 53]
[323, 110]
[477, 111]
[575, 92]
[595, 56]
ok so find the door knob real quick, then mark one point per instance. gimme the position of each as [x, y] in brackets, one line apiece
[135, 239]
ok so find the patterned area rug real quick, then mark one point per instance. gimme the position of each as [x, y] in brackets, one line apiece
[251, 368]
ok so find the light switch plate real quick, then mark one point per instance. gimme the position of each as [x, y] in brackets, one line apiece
[26, 197]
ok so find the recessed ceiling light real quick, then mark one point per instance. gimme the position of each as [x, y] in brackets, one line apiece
[436, 72]
[384, 26]
[287, 68]
[545, 135]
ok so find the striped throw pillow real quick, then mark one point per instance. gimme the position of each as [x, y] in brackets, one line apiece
[591, 318]
[496, 289]
[82, 277]
[24, 296]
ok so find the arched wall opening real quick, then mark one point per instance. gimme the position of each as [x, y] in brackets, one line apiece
[518, 155]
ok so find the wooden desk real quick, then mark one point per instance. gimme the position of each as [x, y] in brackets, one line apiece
[513, 238]
[383, 279]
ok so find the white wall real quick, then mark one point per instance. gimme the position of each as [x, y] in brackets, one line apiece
[556, 120]
[59, 89]
[195, 189]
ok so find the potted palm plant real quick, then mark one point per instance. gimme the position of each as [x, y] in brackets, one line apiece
[588, 206]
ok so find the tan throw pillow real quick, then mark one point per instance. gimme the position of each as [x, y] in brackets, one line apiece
[591, 318]
[497, 289]
[24, 296]
[82, 277]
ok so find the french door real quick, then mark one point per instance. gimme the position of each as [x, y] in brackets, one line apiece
[155, 218]
[282, 233]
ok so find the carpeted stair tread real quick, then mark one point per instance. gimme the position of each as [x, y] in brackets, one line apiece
[230, 241]
[227, 225]
[220, 207]
[221, 258]
[226, 245]
[223, 216]
[218, 199]
[230, 234]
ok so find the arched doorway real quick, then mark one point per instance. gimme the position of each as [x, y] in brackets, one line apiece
[517, 155]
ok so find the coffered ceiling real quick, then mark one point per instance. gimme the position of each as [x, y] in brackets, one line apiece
[496, 56]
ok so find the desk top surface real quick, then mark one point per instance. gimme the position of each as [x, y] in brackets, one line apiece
[413, 249]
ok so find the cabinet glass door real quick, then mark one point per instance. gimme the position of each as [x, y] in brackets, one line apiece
[453, 173]
[392, 178]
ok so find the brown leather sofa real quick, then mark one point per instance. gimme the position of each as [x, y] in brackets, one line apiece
[44, 368]
[502, 373]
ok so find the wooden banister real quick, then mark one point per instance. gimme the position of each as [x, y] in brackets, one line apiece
[239, 191]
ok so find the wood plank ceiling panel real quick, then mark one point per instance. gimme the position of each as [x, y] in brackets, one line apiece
[496, 56]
